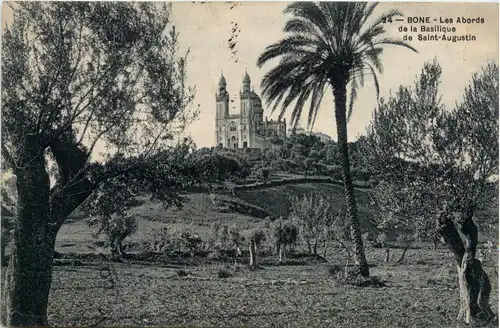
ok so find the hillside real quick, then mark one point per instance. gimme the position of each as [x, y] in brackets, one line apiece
[247, 206]
[277, 199]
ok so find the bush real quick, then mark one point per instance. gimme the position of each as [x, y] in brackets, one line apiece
[224, 273]
[193, 242]
[335, 270]
[116, 227]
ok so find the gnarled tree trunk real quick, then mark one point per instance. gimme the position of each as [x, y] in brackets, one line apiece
[28, 278]
[41, 212]
[339, 93]
[474, 284]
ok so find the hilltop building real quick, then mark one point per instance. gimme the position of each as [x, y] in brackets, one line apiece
[249, 128]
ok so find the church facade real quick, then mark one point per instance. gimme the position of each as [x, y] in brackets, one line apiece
[249, 128]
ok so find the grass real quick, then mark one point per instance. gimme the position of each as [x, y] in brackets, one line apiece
[284, 296]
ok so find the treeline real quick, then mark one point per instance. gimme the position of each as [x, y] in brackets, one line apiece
[299, 154]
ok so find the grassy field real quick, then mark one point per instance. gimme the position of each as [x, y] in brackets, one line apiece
[422, 292]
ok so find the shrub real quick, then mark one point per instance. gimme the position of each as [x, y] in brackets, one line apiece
[335, 270]
[224, 273]
[381, 239]
[193, 242]
[116, 227]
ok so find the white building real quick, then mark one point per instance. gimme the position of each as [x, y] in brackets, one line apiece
[248, 129]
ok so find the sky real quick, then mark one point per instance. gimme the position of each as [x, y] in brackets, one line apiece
[205, 28]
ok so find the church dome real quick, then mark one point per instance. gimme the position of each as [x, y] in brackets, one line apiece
[257, 103]
[246, 79]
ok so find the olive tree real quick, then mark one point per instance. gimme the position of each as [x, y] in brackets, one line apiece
[90, 93]
[442, 164]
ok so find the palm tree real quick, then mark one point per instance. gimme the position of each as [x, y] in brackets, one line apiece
[328, 44]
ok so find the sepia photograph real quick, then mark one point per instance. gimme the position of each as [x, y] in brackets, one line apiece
[249, 164]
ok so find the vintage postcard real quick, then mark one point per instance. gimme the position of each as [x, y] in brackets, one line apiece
[249, 164]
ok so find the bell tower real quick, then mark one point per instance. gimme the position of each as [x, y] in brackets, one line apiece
[222, 111]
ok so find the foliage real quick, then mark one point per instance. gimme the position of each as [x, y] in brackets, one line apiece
[116, 228]
[325, 42]
[225, 273]
[431, 159]
[258, 236]
[193, 242]
[315, 215]
[92, 95]
[286, 232]
[441, 168]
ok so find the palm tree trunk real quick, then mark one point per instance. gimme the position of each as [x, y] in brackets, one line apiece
[339, 93]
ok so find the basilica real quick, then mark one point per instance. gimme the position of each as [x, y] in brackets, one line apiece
[249, 128]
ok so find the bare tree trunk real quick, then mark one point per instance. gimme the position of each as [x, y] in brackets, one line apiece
[435, 241]
[327, 242]
[250, 248]
[236, 254]
[315, 249]
[309, 249]
[339, 92]
[474, 284]
[281, 255]
[402, 257]
[387, 255]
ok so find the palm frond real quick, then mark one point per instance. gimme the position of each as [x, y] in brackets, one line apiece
[396, 42]
[316, 97]
[291, 44]
[353, 97]
[310, 12]
[375, 81]
[325, 43]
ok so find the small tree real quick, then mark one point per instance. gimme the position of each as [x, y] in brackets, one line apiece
[314, 215]
[338, 230]
[160, 237]
[257, 236]
[116, 228]
[237, 240]
[286, 234]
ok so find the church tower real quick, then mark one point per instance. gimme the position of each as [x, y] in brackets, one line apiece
[222, 111]
[246, 113]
